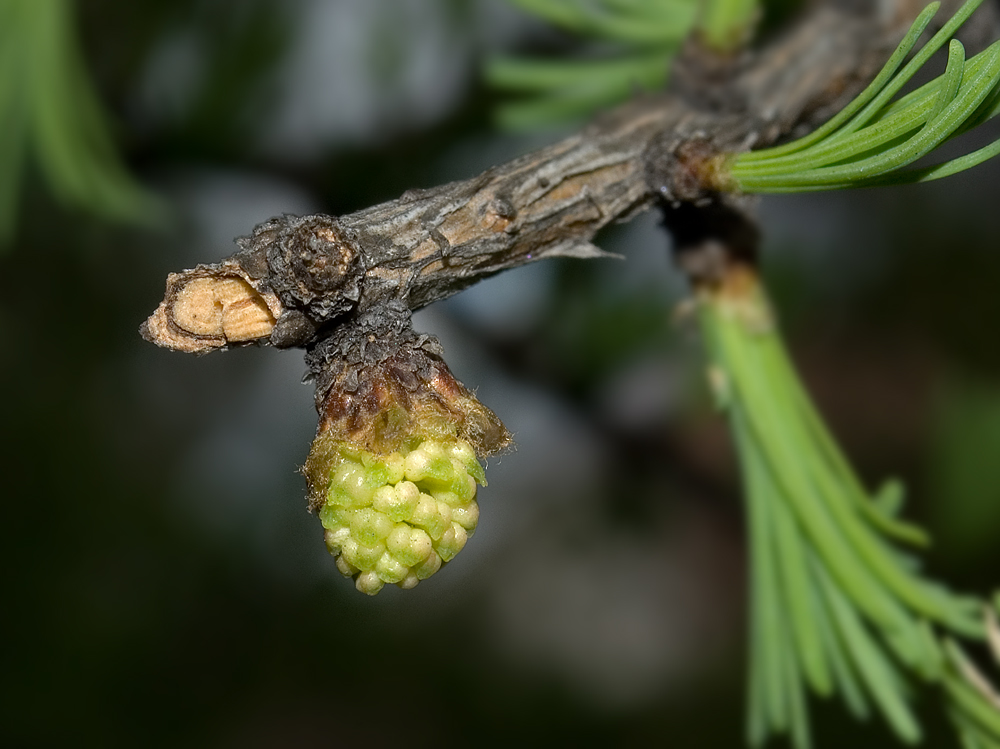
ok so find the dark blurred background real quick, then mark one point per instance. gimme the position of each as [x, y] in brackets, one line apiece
[164, 584]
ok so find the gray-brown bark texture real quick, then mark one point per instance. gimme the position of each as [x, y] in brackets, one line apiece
[336, 286]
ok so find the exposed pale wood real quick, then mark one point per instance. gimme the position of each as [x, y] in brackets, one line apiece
[211, 307]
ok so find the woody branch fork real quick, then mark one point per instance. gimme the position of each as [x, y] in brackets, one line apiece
[344, 287]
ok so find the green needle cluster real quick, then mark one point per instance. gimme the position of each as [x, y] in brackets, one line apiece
[726, 25]
[873, 139]
[639, 38]
[839, 606]
[636, 43]
[974, 704]
[48, 110]
[396, 518]
[648, 22]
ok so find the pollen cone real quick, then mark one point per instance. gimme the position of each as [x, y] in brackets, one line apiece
[394, 468]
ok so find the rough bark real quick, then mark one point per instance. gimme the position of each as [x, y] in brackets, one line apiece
[325, 283]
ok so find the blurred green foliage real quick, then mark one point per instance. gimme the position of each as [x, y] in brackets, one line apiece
[963, 466]
[51, 120]
[636, 41]
[622, 48]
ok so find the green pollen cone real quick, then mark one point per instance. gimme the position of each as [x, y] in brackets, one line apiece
[397, 518]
